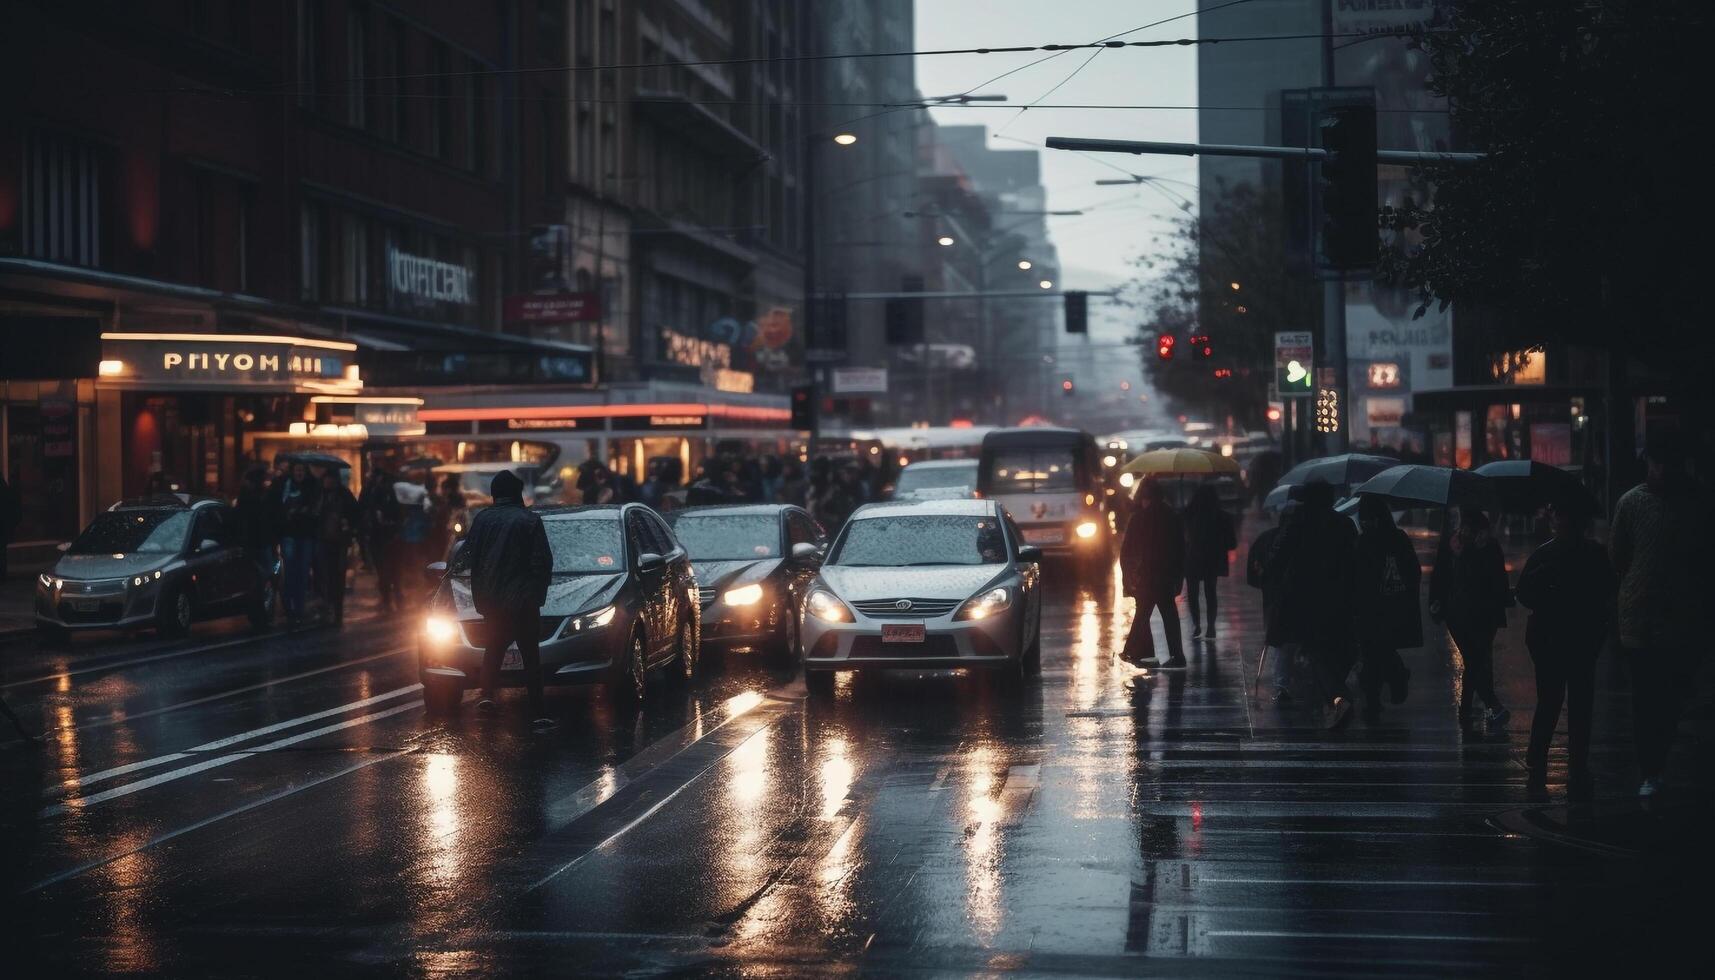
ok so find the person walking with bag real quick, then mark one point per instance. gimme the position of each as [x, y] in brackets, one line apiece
[1386, 582]
[1568, 586]
[1468, 590]
[510, 567]
[1152, 568]
[1209, 536]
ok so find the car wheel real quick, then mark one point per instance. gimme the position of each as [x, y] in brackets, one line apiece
[442, 697]
[631, 682]
[173, 613]
[785, 648]
[820, 684]
[685, 667]
[262, 607]
[1033, 653]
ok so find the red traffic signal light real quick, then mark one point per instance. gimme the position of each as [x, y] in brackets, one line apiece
[1066, 385]
[1200, 346]
[1164, 346]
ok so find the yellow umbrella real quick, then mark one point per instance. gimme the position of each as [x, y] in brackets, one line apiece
[1180, 462]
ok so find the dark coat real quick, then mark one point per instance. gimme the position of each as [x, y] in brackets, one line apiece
[1152, 554]
[1471, 586]
[1312, 562]
[338, 513]
[1256, 576]
[295, 506]
[509, 560]
[1208, 537]
[1385, 589]
[1569, 587]
[256, 530]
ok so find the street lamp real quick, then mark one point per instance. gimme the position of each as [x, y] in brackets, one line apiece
[1024, 264]
[945, 240]
[1046, 284]
[845, 139]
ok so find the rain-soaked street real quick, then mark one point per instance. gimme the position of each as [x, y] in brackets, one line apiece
[228, 805]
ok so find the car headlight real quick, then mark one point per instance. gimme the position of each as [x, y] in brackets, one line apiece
[46, 581]
[985, 605]
[1087, 529]
[601, 617]
[440, 629]
[744, 595]
[825, 607]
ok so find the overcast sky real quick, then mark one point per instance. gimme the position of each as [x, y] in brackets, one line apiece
[1094, 248]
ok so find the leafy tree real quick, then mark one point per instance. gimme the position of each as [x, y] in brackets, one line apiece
[1184, 286]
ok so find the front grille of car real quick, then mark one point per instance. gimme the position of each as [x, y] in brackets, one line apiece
[478, 633]
[931, 647]
[104, 586]
[919, 609]
[705, 596]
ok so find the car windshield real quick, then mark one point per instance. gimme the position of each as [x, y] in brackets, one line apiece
[129, 532]
[914, 478]
[937, 539]
[1032, 471]
[580, 545]
[728, 537]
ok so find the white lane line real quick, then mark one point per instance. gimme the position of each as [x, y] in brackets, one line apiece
[206, 821]
[230, 740]
[121, 719]
[84, 802]
[1415, 937]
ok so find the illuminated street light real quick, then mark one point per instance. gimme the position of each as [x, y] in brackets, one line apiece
[945, 240]
[1234, 285]
[1024, 263]
[1046, 284]
[846, 139]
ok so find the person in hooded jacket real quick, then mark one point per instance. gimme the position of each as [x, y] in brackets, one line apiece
[1208, 538]
[1256, 575]
[1385, 604]
[1313, 560]
[1469, 591]
[1568, 585]
[510, 567]
[1152, 568]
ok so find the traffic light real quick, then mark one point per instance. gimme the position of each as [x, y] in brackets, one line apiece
[804, 407]
[1347, 188]
[1067, 388]
[904, 317]
[1164, 346]
[1077, 312]
[1200, 347]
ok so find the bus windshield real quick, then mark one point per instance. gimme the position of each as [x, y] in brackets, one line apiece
[1021, 470]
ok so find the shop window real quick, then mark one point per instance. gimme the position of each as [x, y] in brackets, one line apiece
[65, 198]
[41, 466]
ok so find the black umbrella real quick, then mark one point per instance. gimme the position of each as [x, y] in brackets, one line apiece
[1524, 484]
[421, 463]
[314, 459]
[1437, 486]
[1345, 470]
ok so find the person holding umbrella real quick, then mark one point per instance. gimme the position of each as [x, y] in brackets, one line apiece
[1568, 585]
[1468, 591]
[1208, 537]
[1313, 562]
[1386, 584]
[1152, 567]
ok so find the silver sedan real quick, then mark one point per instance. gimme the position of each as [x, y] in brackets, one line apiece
[925, 585]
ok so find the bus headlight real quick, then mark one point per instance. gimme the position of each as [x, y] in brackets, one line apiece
[1087, 529]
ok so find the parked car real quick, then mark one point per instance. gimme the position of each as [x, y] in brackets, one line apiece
[753, 563]
[163, 561]
[622, 602]
[937, 479]
[938, 584]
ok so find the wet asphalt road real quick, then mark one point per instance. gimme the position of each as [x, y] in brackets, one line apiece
[233, 805]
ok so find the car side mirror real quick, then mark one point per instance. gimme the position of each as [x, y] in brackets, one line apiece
[805, 550]
[434, 570]
[208, 544]
[650, 562]
[1030, 552]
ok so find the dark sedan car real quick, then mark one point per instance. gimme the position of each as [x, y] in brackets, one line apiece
[623, 601]
[753, 563]
[161, 562]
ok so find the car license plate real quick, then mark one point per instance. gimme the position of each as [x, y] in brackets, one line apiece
[86, 605]
[1044, 535]
[902, 633]
[512, 661]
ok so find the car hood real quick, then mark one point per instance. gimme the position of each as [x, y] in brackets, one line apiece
[567, 594]
[922, 582]
[107, 566]
[726, 574]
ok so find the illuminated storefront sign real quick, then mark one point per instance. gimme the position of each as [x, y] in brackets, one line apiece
[430, 279]
[229, 361]
[1384, 374]
[380, 416]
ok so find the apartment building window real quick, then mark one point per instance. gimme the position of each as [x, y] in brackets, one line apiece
[398, 58]
[310, 252]
[477, 135]
[357, 76]
[65, 198]
[246, 207]
[441, 112]
[309, 51]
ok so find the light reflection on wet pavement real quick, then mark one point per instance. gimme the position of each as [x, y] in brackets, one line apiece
[1101, 822]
